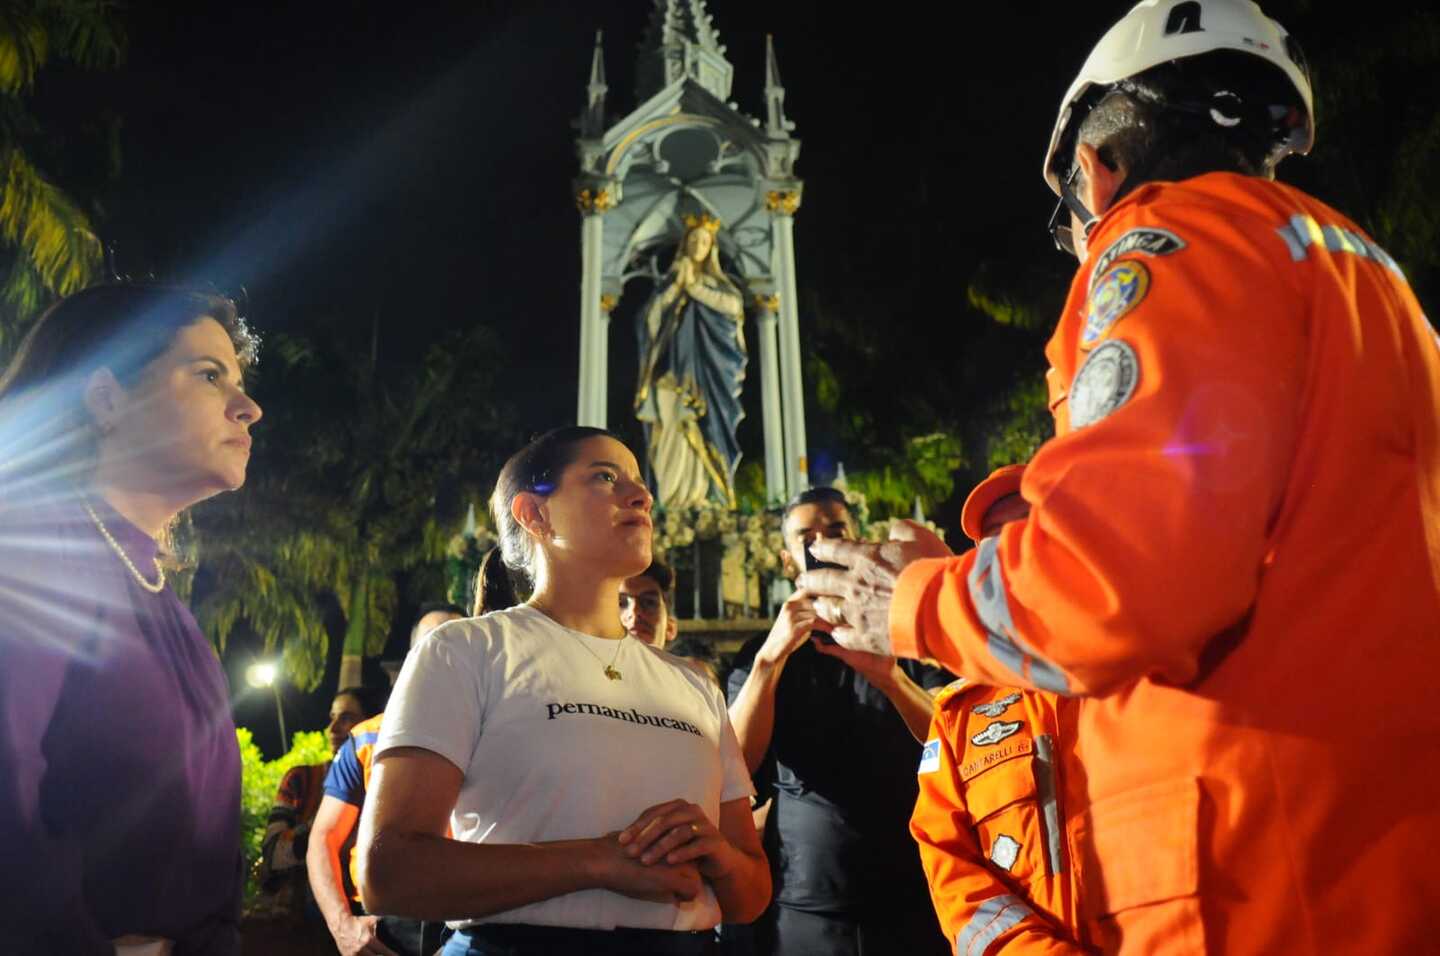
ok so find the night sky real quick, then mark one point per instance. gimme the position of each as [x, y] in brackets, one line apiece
[413, 162]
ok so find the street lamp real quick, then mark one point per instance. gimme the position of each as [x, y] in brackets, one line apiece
[266, 674]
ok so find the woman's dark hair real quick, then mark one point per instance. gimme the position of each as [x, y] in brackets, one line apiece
[494, 588]
[372, 699]
[46, 433]
[536, 468]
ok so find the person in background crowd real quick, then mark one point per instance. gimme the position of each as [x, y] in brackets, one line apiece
[332, 834]
[281, 867]
[119, 767]
[1233, 546]
[991, 817]
[844, 729]
[647, 612]
[647, 604]
[595, 789]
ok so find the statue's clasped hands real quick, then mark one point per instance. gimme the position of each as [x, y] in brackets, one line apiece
[856, 600]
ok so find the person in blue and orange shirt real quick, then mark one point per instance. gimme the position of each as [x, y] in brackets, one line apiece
[991, 819]
[1233, 548]
[281, 867]
[332, 835]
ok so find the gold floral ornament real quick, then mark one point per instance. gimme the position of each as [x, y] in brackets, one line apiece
[703, 221]
[785, 202]
[767, 303]
[596, 202]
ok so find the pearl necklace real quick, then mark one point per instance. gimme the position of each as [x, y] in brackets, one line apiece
[159, 584]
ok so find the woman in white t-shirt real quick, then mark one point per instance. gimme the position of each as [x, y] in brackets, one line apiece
[597, 796]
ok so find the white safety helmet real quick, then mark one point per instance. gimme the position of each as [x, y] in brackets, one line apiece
[1161, 31]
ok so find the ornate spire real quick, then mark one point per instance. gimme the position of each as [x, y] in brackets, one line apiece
[592, 121]
[775, 122]
[682, 42]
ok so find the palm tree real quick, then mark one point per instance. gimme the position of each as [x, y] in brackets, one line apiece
[50, 243]
[359, 478]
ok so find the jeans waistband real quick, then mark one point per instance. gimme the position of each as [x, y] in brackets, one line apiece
[622, 939]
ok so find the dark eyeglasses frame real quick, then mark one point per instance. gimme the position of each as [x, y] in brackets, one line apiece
[1060, 230]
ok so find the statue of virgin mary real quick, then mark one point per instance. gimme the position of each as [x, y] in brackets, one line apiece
[692, 367]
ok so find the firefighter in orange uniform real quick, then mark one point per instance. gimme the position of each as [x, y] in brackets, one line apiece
[990, 819]
[1233, 549]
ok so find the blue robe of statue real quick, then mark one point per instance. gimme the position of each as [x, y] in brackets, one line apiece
[692, 367]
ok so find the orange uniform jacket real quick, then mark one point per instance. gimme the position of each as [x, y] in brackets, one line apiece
[990, 821]
[1234, 550]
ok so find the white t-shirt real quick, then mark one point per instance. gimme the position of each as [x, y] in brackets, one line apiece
[552, 749]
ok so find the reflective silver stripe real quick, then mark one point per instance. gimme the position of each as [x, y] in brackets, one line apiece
[1045, 788]
[987, 592]
[1302, 232]
[995, 916]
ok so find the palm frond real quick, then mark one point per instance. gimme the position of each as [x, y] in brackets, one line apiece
[48, 227]
[89, 33]
[24, 47]
[22, 297]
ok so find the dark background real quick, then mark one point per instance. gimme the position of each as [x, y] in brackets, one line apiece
[410, 164]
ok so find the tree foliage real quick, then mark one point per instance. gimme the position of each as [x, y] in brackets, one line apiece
[361, 475]
[925, 473]
[48, 245]
[259, 784]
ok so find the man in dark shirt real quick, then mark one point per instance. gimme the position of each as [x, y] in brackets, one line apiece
[844, 730]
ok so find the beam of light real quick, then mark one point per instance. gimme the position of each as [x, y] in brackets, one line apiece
[261, 674]
[334, 195]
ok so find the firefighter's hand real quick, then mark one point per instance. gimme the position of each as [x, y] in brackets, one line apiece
[857, 600]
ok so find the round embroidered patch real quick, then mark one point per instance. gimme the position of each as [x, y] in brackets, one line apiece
[1119, 291]
[1104, 383]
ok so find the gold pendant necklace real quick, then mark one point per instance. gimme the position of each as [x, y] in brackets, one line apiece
[159, 584]
[609, 670]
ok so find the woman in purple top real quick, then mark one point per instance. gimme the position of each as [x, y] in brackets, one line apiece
[119, 770]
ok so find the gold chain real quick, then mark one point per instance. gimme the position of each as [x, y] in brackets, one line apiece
[609, 669]
[159, 584]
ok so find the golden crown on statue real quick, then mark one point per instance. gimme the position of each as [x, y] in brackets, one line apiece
[703, 221]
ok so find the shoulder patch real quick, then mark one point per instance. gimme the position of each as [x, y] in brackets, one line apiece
[997, 731]
[1147, 241]
[930, 757]
[952, 690]
[1104, 383]
[996, 707]
[1117, 293]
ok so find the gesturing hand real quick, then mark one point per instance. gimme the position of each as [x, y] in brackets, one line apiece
[356, 936]
[857, 600]
[678, 831]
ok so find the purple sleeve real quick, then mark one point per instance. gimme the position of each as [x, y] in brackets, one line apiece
[345, 781]
[41, 882]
